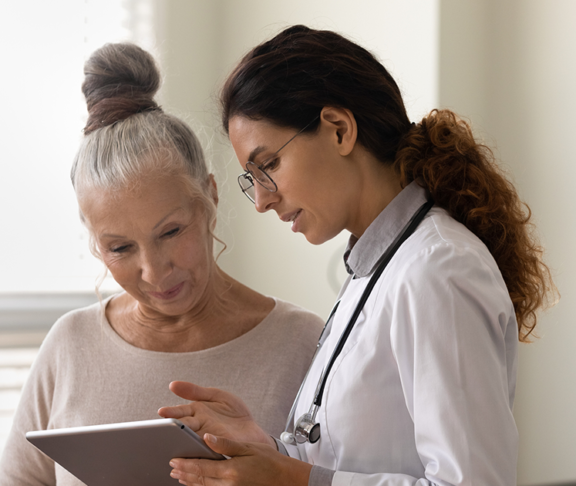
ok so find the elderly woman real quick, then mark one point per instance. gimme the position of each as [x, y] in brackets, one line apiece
[147, 198]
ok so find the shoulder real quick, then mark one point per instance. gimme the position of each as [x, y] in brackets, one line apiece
[293, 320]
[442, 260]
[73, 327]
[440, 230]
[446, 285]
[443, 269]
[443, 244]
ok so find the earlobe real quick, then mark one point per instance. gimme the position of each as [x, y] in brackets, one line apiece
[342, 123]
[213, 189]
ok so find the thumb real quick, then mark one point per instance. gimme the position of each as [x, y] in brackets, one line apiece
[226, 447]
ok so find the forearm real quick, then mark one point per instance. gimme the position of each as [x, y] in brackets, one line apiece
[319, 476]
[295, 472]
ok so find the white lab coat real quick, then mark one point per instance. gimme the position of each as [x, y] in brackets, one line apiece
[422, 392]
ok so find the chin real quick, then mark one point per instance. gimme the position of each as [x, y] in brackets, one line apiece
[317, 239]
[170, 308]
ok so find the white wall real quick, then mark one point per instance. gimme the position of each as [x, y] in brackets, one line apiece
[209, 37]
[511, 66]
[506, 64]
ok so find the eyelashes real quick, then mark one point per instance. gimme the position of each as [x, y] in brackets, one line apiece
[270, 164]
[171, 232]
[125, 248]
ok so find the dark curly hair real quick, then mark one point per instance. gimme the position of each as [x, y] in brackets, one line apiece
[290, 78]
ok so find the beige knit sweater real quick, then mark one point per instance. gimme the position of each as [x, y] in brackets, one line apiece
[85, 374]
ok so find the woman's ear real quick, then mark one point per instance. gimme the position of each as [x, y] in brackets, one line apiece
[213, 189]
[342, 123]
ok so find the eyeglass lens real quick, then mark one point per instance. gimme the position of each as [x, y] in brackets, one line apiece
[255, 173]
[247, 186]
[260, 176]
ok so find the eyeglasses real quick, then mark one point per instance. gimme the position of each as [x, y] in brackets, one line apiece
[257, 173]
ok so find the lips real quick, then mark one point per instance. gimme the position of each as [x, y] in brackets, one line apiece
[290, 217]
[168, 294]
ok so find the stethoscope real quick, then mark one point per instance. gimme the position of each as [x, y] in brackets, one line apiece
[306, 428]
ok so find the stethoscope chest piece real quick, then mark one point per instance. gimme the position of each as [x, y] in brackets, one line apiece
[307, 429]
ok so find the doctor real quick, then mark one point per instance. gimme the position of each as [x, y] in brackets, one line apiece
[413, 381]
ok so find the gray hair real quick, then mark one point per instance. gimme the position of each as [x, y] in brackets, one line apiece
[117, 155]
[127, 135]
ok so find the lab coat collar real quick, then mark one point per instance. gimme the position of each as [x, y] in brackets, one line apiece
[363, 254]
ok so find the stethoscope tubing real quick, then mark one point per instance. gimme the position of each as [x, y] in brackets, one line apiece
[318, 346]
[317, 402]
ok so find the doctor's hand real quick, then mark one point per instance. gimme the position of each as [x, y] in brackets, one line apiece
[249, 465]
[215, 412]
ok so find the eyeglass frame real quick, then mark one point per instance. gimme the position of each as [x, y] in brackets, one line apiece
[248, 175]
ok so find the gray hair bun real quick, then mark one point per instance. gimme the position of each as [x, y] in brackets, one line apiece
[120, 81]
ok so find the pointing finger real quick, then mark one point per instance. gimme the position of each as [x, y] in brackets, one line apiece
[176, 412]
[190, 391]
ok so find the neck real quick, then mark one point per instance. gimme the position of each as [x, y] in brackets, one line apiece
[213, 302]
[378, 185]
[222, 314]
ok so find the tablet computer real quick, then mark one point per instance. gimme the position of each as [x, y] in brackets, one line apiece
[125, 453]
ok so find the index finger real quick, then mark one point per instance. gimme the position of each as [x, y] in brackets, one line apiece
[177, 412]
[192, 392]
[196, 393]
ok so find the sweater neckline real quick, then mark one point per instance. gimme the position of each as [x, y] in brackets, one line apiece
[223, 348]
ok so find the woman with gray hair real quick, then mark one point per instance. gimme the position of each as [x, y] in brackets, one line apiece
[149, 202]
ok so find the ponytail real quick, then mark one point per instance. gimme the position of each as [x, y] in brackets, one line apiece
[463, 179]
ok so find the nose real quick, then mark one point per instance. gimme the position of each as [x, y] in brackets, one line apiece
[264, 200]
[155, 267]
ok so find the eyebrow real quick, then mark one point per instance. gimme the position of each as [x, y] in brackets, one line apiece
[167, 216]
[255, 152]
[110, 235]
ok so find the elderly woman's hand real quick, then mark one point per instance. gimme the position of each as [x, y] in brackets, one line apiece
[249, 465]
[215, 412]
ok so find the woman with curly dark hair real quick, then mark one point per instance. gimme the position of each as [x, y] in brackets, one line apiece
[414, 378]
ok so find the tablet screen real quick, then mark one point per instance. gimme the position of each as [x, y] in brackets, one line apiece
[125, 453]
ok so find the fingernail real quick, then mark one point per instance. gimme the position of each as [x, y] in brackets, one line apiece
[175, 474]
[210, 438]
[172, 463]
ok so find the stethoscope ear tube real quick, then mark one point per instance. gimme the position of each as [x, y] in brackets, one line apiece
[306, 428]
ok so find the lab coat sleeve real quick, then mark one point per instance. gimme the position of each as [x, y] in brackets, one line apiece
[281, 447]
[288, 450]
[320, 476]
[454, 339]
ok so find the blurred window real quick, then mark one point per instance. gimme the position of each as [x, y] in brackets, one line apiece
[47, 268]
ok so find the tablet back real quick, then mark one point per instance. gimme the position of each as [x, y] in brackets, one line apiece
[120, 454]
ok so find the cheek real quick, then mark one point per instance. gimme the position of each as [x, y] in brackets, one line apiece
[120, 268]
[194, 252]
